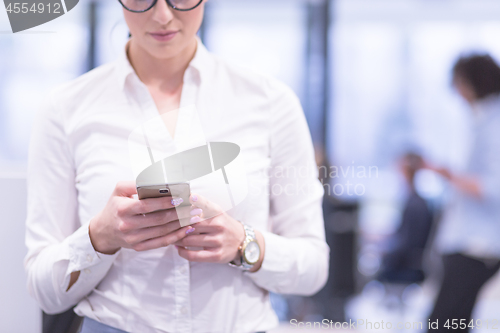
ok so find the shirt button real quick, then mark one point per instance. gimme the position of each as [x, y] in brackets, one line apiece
[184, 310]
[89, 258]
[86, 271]
[183, 269]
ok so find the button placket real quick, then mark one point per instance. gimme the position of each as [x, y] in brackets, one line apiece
[182, 276]
[182, 294]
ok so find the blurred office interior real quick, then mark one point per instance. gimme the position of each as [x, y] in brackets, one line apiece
[374, 79]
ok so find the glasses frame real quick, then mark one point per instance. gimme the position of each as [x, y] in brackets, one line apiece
[154, 3]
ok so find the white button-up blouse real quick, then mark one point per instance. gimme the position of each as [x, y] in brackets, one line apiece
[78, 153]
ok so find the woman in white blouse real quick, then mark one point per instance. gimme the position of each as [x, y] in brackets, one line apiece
[127, 264]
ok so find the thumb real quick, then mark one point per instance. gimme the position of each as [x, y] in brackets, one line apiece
[210, 209]
[125, 188]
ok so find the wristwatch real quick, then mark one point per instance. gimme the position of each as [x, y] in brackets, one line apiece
[249, 250]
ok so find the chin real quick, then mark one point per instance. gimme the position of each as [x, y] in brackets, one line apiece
[162, 54]
[163, 51]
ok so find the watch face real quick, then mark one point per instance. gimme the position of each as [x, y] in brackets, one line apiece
[252, 252]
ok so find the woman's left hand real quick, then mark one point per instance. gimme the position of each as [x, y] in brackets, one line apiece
[217, 233]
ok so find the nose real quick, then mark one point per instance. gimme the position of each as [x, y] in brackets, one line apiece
[162, 13]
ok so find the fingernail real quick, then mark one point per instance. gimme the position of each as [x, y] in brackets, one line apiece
[194, 197]
[196, 211]
[195, 219]
[177, 201]
[189, 231]
[176, 246]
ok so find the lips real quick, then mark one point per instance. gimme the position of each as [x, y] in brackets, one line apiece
[163, 36]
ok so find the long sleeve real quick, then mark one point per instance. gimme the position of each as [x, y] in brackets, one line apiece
[489, 147]
[296, 255]
[58, 244]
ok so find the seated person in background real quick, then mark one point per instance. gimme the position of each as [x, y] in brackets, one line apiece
[403, 262]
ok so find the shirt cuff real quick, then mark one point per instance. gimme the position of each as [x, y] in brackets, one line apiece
[82, 254]
[278, 259]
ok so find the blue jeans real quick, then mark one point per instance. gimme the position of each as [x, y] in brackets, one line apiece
[92, 326]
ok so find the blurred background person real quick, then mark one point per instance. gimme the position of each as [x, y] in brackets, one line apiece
[468, 234]
[403, 261]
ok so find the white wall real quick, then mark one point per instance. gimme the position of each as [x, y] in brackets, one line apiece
[19, 313]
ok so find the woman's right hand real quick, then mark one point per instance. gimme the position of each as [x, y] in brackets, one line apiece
[122, 223]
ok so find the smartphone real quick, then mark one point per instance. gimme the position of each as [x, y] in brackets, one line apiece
[176, 190]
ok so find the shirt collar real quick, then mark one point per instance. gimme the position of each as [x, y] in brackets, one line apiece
[200, 62]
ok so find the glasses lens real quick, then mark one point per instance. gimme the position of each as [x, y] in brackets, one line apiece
[137, 5]
[184, 4]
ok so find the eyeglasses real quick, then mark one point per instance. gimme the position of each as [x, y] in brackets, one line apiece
[140, 6]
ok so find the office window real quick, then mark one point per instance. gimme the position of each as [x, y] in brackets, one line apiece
[267, 36]
[391, 91]
[31, 64]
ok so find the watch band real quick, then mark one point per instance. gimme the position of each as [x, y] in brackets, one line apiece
[249, 237]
